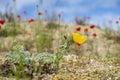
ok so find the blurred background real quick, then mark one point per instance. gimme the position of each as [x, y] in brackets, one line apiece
[98, 12]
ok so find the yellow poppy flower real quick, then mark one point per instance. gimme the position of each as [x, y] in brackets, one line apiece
[78, 38]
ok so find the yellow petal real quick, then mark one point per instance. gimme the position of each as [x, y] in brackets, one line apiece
[78, 38]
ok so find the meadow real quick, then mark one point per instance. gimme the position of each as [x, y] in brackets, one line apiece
[38, 49]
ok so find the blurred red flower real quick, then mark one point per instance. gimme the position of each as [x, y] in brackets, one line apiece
[94, 35]
[2, 22]
[86, 30]
[78, 29]
[18, 16]
[39, 13]
[92, 26]
[31, 20]
[78, 44]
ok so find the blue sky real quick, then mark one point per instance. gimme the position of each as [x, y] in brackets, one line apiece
[100, 11]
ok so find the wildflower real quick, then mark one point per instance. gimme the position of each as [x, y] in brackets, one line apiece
[86, 30]
[59, 15]
[94, 35]
[31, 20]
[78, 29]
[78, 44]
[18, 16]
[88, 17]
[92, 26]
[39, 13]
[79, 39]
[2, 22]
[117, 22]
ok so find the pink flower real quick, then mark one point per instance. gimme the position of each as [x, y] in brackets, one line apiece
[59, 14]
[24, 12]
[88, 17]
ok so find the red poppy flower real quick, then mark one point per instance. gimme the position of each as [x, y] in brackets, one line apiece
[92, 26]
[31, 20]
[78, 29]
[18, 16]
[2, 22]
[78, 44]
[39, 13]
[86, 30]
[94, 35]
[117, 22]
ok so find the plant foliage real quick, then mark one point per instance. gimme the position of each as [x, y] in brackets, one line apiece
[17, 54]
